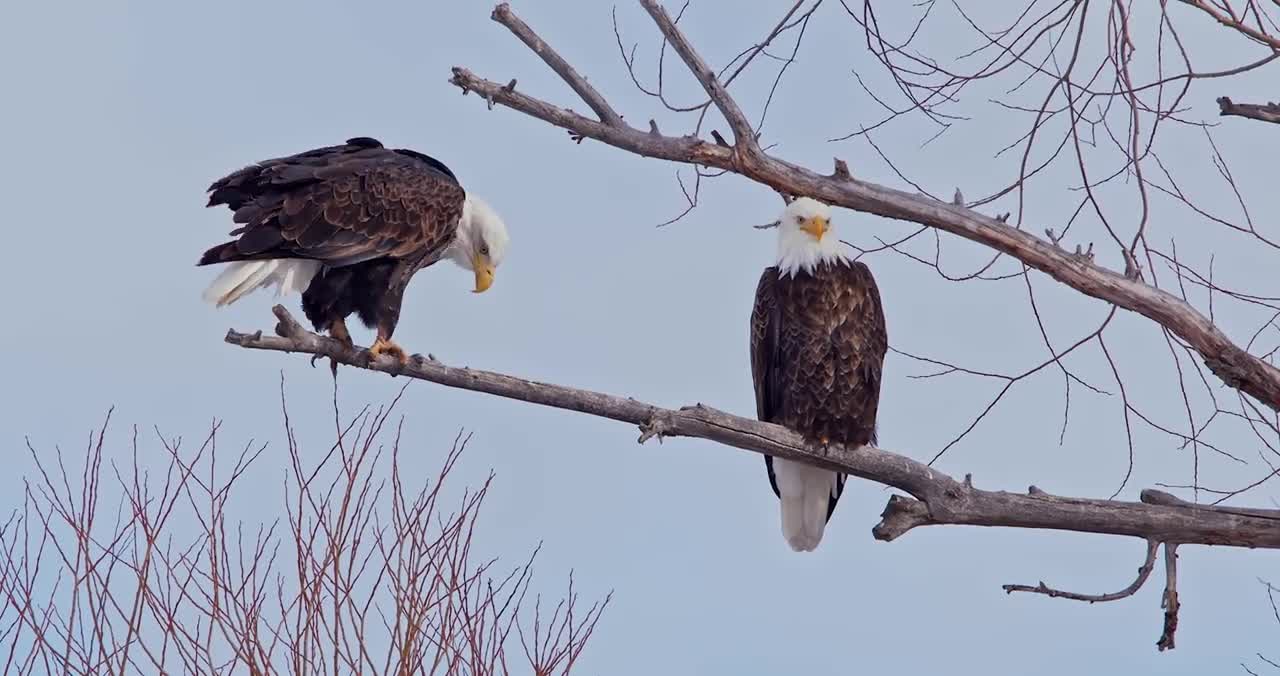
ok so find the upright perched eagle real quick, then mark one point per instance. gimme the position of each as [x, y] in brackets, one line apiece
[818, 341]
[349, 225]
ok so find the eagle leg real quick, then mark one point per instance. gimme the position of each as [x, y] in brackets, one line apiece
[338, 331]
[383, 346]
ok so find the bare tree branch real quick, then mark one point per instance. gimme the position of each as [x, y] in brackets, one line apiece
[744, 134]
[503, 15]
[1144, 572]
[1225, 15]
[1234, 365]
[1269, 112]
[1170, 600]
[938, 499]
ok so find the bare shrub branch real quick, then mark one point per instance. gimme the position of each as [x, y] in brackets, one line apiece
[362, 574]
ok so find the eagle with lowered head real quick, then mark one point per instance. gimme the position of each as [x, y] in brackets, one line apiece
[818, 342]
[349, 226]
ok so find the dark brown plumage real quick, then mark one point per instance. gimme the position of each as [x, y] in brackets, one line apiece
[818, 342]
[369, 216]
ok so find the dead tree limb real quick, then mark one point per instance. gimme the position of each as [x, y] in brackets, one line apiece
[1144, 572]
[1234, 365]
[937, 499]
[1269, 112]
[1168, 600]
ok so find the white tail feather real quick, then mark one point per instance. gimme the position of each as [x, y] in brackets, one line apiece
[805, 498]
[244, 277]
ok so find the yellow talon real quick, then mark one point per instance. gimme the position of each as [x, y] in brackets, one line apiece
[381, 347]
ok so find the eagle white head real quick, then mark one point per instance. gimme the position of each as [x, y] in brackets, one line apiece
[481, 241]
[806, 237]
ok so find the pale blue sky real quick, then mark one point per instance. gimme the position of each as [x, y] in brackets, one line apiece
[116, 116]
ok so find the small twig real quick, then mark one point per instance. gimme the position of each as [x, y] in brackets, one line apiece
[841, 170]
[1144, 572]
[1054, 238]
[1132, 268]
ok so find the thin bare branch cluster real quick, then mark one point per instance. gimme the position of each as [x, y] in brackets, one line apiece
[1101, 97]
[1264, 661]
[1096, 89]
[114, 569]
[1201, 355]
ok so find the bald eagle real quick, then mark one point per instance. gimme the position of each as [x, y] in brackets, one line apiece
[348, 226]
[818, 342]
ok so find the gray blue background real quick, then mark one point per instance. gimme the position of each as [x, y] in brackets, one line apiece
[117, 115]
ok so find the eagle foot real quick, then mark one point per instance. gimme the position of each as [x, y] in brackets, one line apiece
[819, 445]
[382, 346]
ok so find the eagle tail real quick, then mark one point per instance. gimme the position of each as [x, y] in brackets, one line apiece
[805, 494]
[243, 277]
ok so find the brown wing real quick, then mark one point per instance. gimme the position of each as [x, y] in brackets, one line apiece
[765, 361]
[765, 323]
[863, 341]
[340, 205]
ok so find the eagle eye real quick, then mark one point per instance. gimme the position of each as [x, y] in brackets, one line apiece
[799, 219]
[484, 249]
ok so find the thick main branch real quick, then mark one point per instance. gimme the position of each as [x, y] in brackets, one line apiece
[1234, 365]
[938, 498]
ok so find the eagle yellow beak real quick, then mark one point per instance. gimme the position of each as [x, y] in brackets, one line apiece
[816, 226]
[484, 273]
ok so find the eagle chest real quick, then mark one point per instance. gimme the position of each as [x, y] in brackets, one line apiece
[827, 366]
[830, 348]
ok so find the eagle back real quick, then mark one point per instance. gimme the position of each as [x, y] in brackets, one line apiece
[344, 204]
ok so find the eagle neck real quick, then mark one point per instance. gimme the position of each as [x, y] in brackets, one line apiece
[459, 250]
[799, 253]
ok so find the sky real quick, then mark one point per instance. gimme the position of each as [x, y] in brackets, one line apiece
[118, 115]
